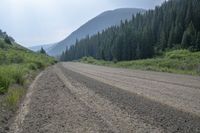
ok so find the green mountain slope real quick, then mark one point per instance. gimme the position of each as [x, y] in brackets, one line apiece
[173, 25]
[16, 62]
[95, 25]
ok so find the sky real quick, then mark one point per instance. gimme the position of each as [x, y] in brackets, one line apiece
[38, 22]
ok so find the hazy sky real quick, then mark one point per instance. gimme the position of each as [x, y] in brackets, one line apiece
[35, 22]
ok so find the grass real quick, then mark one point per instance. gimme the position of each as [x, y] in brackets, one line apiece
[177, 61]
[4, 83]
[18, 66]
[17, 62]
[13, 97]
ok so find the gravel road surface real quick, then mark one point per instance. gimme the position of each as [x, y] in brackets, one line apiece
[75, 97]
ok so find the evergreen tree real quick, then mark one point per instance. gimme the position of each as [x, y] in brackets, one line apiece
[171, 37]
[185, 40]
[174, 23]
[7, 40]
[163, 41]
[189, 37]
[178, 32]
[188, 16]
[198, 42]
[42, 51]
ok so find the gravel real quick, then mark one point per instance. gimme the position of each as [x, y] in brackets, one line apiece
[67, 98]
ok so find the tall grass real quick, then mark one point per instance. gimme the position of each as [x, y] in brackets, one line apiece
[16, 62]
[177, 61]
[11, 74]
[13, 97]
[4, 83]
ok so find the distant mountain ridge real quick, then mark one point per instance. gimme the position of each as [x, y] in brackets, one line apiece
[95, 25]
[37, 48]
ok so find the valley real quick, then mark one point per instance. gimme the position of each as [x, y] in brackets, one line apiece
[100, 66]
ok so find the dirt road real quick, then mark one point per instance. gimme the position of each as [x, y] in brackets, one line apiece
[74, 97]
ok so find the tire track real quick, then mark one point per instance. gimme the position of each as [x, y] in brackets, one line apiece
[119, 120]
[178, 96]
[149, 111]
[24, 108]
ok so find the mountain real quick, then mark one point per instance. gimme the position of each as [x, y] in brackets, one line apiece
[173, 25]
[95, 25]
[37, 48]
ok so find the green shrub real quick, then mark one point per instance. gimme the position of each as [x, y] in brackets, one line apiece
[13, 97]
[198, 69]
[16, 62]
[176, 61]
[178, 54]
[3, 45]
[32, 66]
[115, 61]
[39, 65]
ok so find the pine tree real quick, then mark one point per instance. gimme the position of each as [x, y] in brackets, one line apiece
[7, 40]
[192, 33]
[42, 51]
[175, 22]
[163, 41]
[62, 57]
[188, 16]
[171, 37]
[185, 40]
[189, 37]
[178, 32]
[198, 42]
[191, 29]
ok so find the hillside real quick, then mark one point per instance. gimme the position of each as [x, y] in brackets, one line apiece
[18, 67]
[95, 25]
[173, 25]
[16, 62]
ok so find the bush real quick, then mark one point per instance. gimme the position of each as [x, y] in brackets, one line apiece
[176, 61]
[178, 54]
[3, 45]
[32, 66]
[7, 40]
[198, 69]
[39, 65]
[115, 61]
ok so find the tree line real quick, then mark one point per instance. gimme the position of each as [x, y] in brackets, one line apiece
[173, 25]
[7, 39]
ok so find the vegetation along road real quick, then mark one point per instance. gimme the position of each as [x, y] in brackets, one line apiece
[75, 97]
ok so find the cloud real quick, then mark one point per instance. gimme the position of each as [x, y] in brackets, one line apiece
[46, 21]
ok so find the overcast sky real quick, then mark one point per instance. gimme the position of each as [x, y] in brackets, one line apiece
[35, 22]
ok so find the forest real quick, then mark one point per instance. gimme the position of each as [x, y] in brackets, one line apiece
[173, 25]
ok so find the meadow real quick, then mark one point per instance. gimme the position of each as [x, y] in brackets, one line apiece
[175, 61]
